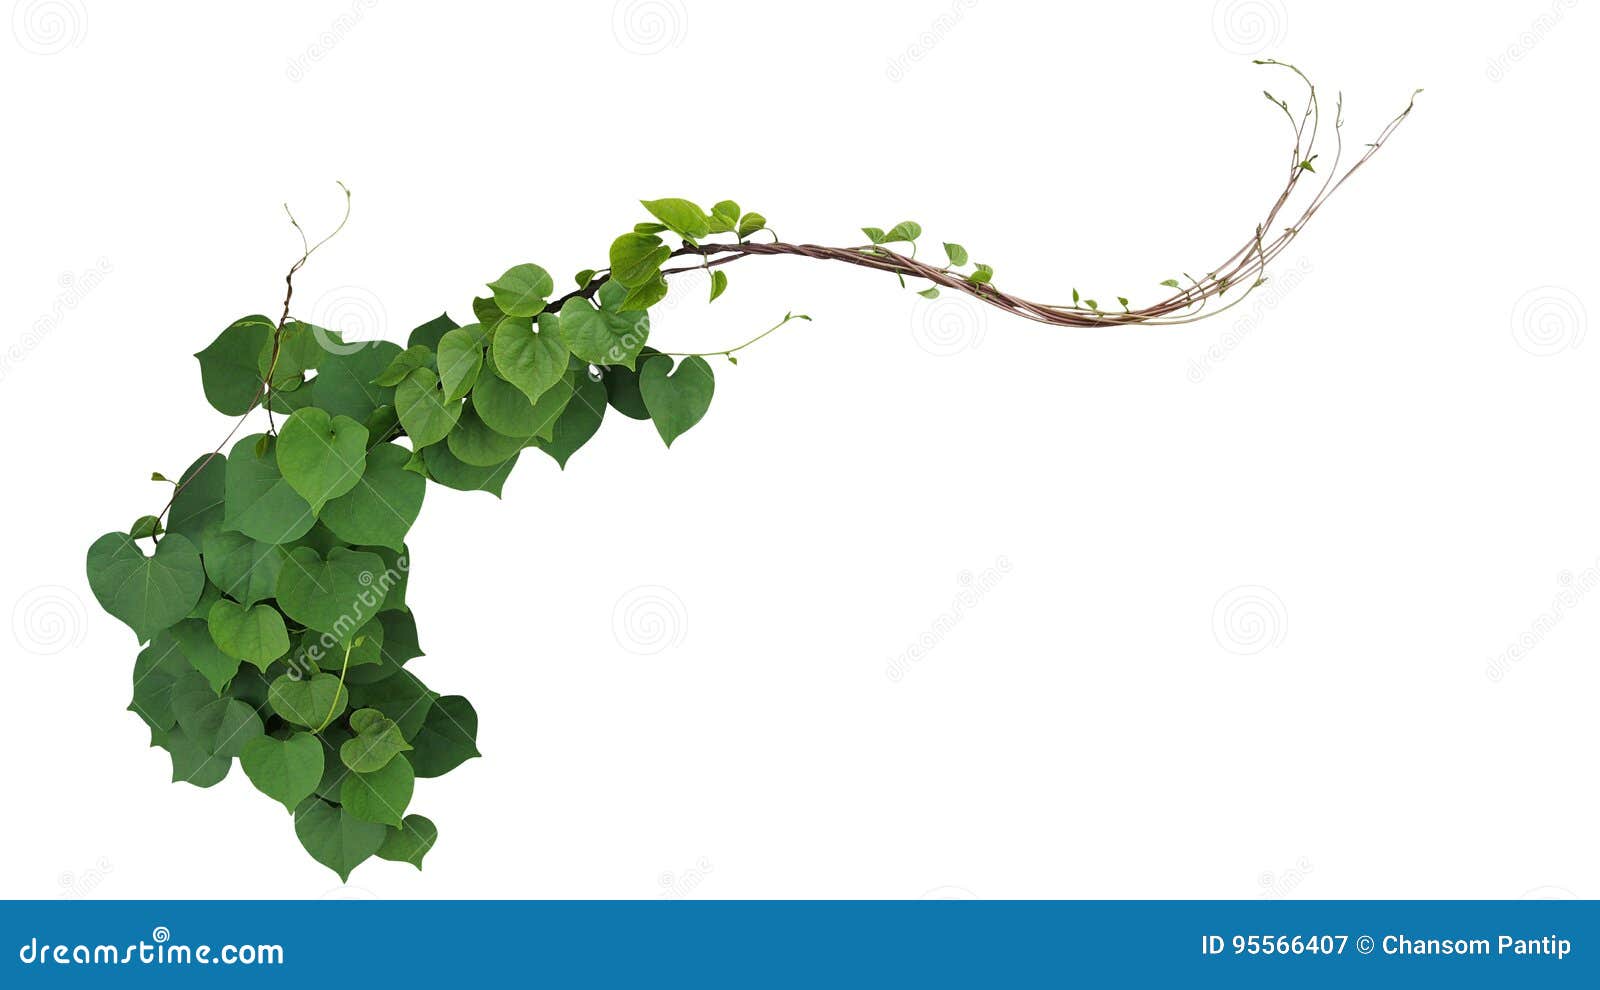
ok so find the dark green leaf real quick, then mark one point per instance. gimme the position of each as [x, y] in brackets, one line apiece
[148, 593]
[676, 399]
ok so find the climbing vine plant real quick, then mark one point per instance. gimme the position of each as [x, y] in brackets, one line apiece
[272, 606]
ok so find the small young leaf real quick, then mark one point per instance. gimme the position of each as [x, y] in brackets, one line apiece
[680, 215]
[719, 284]
[931, 292]
[906, 230]
[981, 275]
[750, 223]
[956, 253]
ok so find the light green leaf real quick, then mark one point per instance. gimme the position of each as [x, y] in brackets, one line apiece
[750, 223]
[522, 290]
[603, 336]
[425, 413]
[321, 456]
[531, 360]
[905, 230]
[724, 216]
[309, 701]
[719, 284]
[460, 360]
[636, 258]
[377, 740]
[403, 364]
[681, 215]
[956, 253]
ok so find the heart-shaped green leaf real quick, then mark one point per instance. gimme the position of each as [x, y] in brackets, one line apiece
[245, 570]
[380, 509]
[429, 333]
[448, 470]
[335, 838]
[402, 364]
[474, 443]
[336, 594]
[447, 739]
[681, 215]
[579, 421]
[676, 399]
[252, 634]
[522, 290]
[286, 770]
[148, 593]
[155, 675]
[410, 842]
[377, 741]
[379, 796]
[321, 456]
[424, 412]
[460, 360]
[309, 701]
[605, 335]
[229, 366]
[344, 383]
[532, 360]
[259, 502]
[210, 735]
[203, 654]
[197, 505]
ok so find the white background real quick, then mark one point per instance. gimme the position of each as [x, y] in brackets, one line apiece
[1251, 583]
